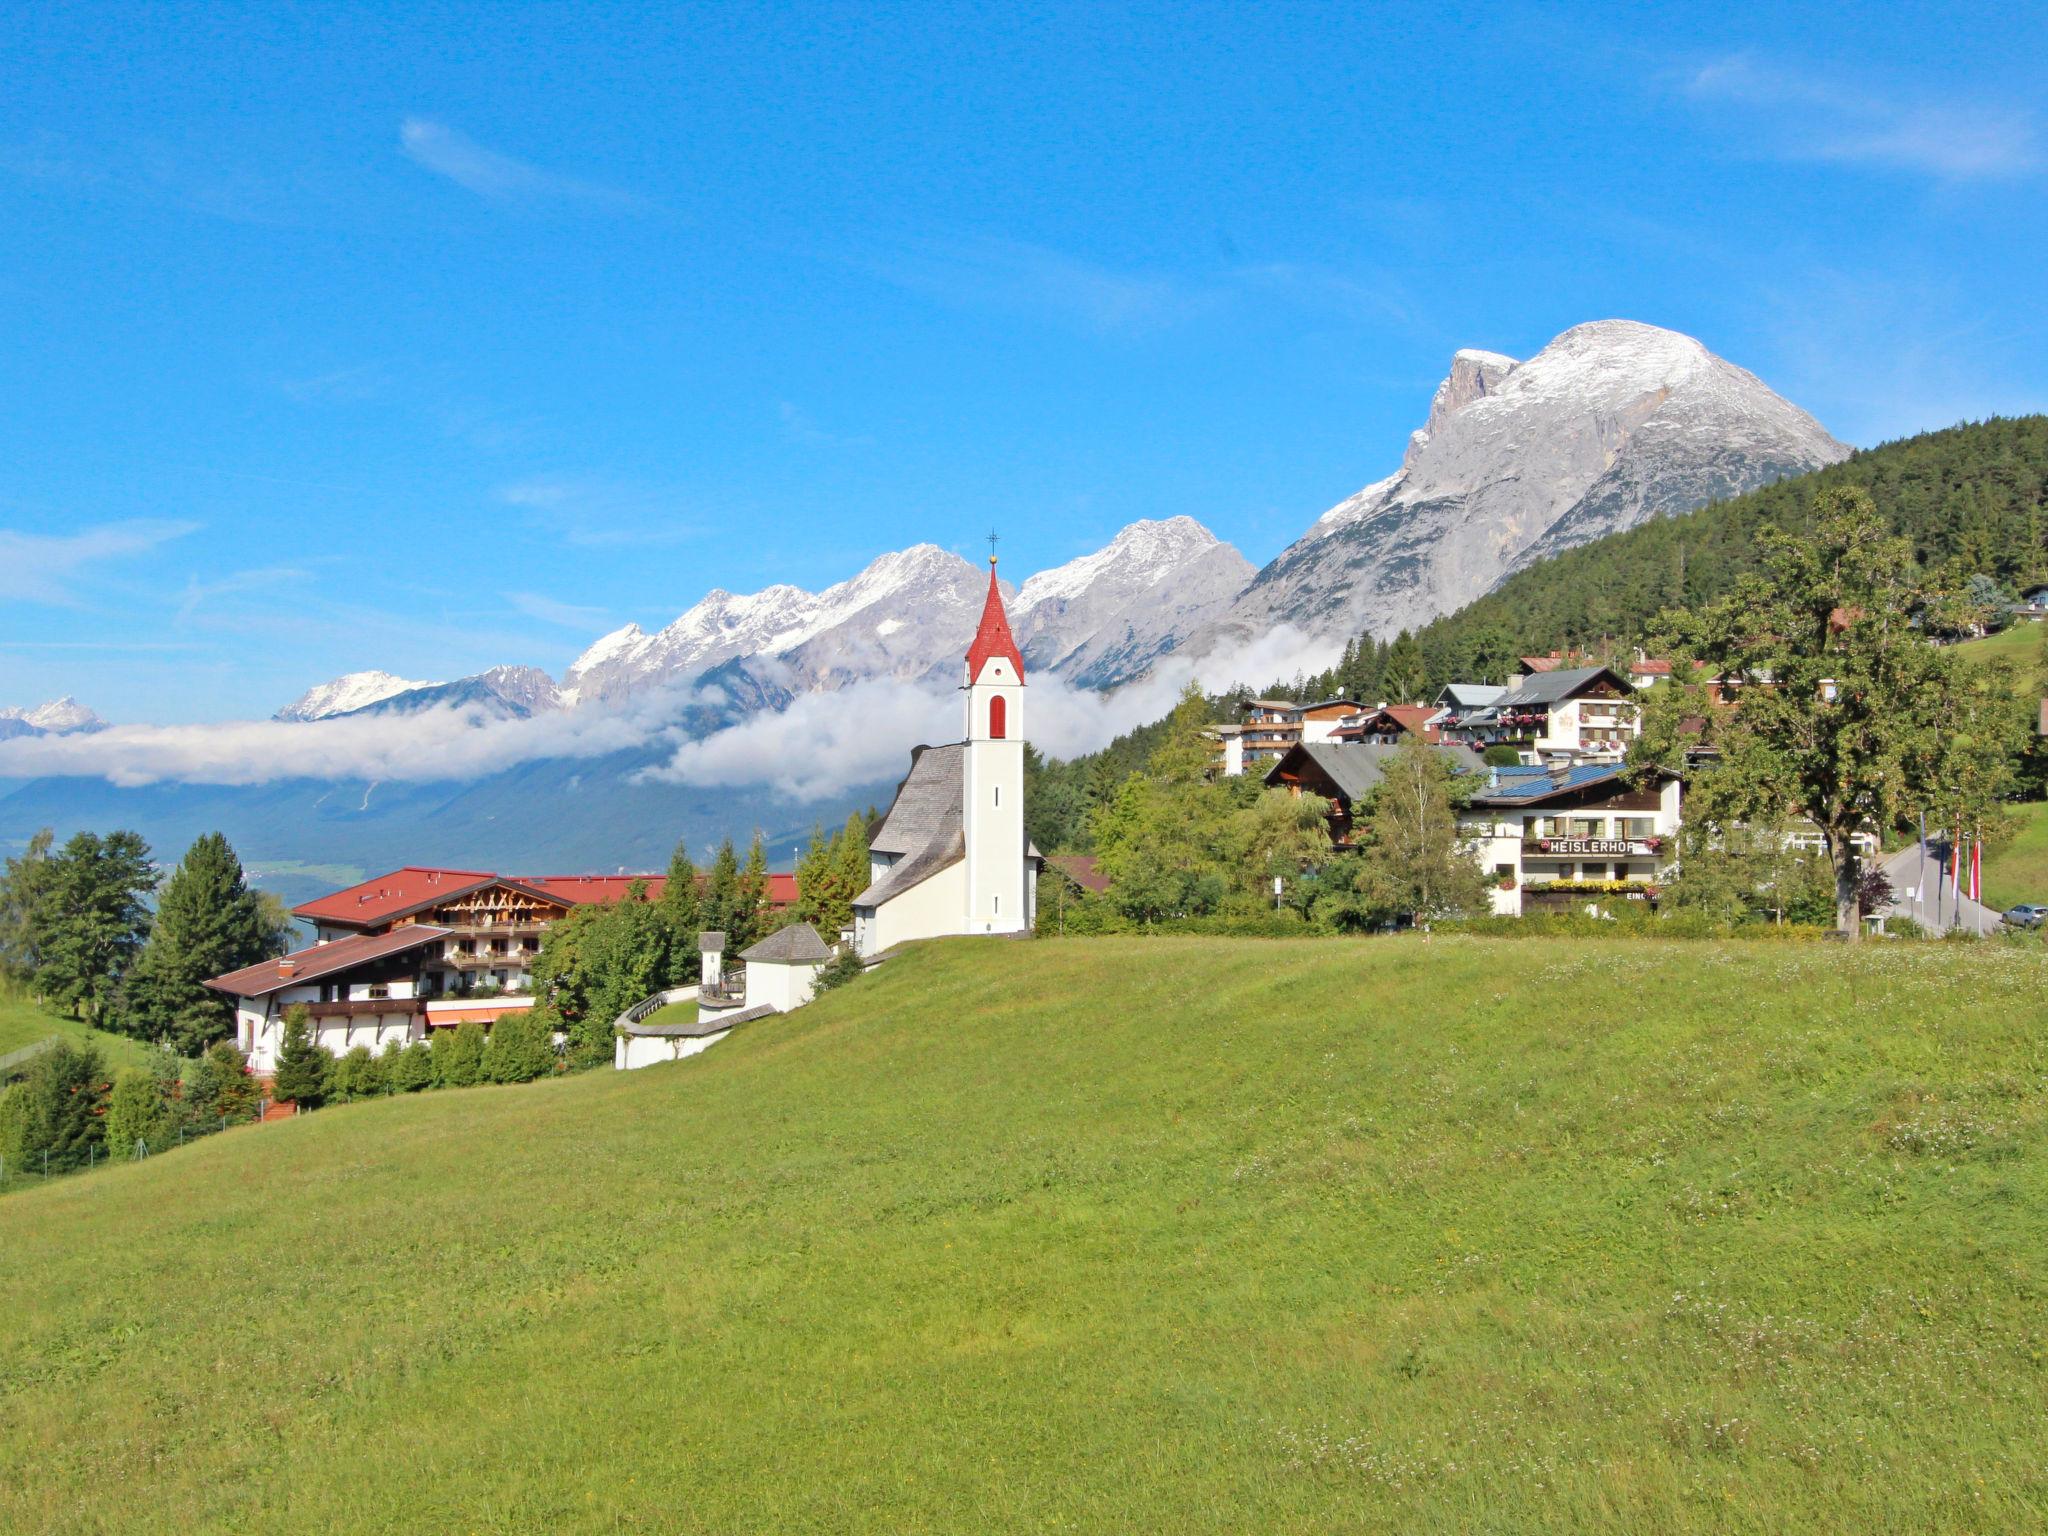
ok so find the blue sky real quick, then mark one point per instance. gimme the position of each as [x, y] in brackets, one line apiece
[430, 337]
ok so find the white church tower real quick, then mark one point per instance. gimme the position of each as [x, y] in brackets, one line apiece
[999, 885]
[951, 856]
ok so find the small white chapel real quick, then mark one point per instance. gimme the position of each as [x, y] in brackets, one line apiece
[951, 856]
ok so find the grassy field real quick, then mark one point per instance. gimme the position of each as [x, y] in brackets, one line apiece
[1445, 1234]
[2022, 645]
[674, 1013]
[22, 1023]
[2019, 871]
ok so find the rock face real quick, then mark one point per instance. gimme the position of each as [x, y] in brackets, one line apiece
[1610, 425]
[356, 690]
[1106, 617]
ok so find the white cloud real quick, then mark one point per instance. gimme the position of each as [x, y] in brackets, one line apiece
[39, 568]
[1015, 275]
[822, 745]
[199, 593]
[537, 605]
[498, 177]
[1812, 116]
[825, 743]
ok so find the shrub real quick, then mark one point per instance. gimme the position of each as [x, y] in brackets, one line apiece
[459, 1056]
[843, 967]
[66, 1099]
[412, 1069]
[136, 1112]
[521, 1049]
[302, 1064]
[13, 1122]
[358, 1074]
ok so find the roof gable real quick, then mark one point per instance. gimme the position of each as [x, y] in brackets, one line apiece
[302, 966]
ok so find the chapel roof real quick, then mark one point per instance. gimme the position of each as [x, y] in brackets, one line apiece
[993, 637]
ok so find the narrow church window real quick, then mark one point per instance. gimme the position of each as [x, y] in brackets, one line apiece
[999, 906]
[999, 794]
[998, 710]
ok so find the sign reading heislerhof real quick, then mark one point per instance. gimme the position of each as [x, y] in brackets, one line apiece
[1593, 845]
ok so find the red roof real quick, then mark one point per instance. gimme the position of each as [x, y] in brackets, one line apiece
[993, 638]
[392, 896]
[1412, 718]
[385, 896]
[302, 966]
[581, 890]
[1652, 668]
[1081, 869]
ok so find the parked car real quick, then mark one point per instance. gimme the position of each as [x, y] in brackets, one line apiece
[2026, 915]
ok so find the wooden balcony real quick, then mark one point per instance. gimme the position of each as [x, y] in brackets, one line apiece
[362, 1008]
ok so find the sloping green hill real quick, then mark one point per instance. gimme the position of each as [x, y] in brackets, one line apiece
[23, 1023]
[1421, 1234]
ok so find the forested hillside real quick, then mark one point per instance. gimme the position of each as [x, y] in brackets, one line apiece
[1973, 499]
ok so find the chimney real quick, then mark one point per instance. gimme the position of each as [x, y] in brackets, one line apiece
[287, 967]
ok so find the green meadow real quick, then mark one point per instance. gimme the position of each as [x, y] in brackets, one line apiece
[23, 1021]
[1431, 1234]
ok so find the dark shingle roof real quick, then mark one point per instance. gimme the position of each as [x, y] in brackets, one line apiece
[798, 944]
[1356, 768]
[927, 794]
[1556, 687]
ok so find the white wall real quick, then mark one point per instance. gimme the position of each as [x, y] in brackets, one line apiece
[631, 1052]
[930, 908]
[992, 787]
[781, 986]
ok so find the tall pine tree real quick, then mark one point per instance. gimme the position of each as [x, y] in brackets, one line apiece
[682, 908]
[98, 919]
[208, 922]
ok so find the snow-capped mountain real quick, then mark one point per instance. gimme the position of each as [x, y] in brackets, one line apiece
[57, 717]
[1107, 616]
[1610, 425]
[505, 692]
[356, 690]
[909, 615]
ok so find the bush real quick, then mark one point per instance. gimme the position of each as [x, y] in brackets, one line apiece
[136, 1112]
[302, 1064]
[13, 1122]
[412, 1069]
[459, 1056]
[843, 967]
[359, 1074]
[521, 1049]
[62, 1118]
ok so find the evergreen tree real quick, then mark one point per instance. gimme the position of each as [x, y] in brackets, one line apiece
[136, 1113]
[65, 1102]
[814, 874]
[1405, 674]
[1185, 756]
[850, 874]
[208, 922]
[722, 892]
[359, 1073]
[98, 919]
[412, 1069]
[520, 1049]
[681, 907]
[459, 1056]
[27, 907]
[301, 1075]
[750, 902]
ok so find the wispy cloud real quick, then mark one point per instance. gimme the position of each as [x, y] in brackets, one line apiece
[499, 177]
[1815, 116]
[599, 514]
[537, 605]
[198, 594]
[1015, 275]
[42, 568]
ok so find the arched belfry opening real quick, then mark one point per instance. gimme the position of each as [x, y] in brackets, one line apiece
[998, 718]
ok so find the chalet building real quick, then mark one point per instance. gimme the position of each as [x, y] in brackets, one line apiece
[1561, 837]
[1344, 773]
[1583, 712]
[1267, 728]
[415, 950]
[1387, 725]
[951, 856]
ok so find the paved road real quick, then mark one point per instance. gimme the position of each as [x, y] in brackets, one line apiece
[1920, 891]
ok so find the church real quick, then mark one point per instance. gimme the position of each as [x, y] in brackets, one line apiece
[951, 856]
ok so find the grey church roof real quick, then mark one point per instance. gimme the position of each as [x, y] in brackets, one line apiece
[923, 829]
[798, 944]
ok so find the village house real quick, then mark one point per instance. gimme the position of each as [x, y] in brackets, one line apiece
[1344, 773]
[1267, 728]
[416, 950]
[1581, 712]
[951, 856]
[1560, 837]
[1388, 724]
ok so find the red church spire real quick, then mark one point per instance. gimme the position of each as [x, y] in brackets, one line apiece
[993, 638]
